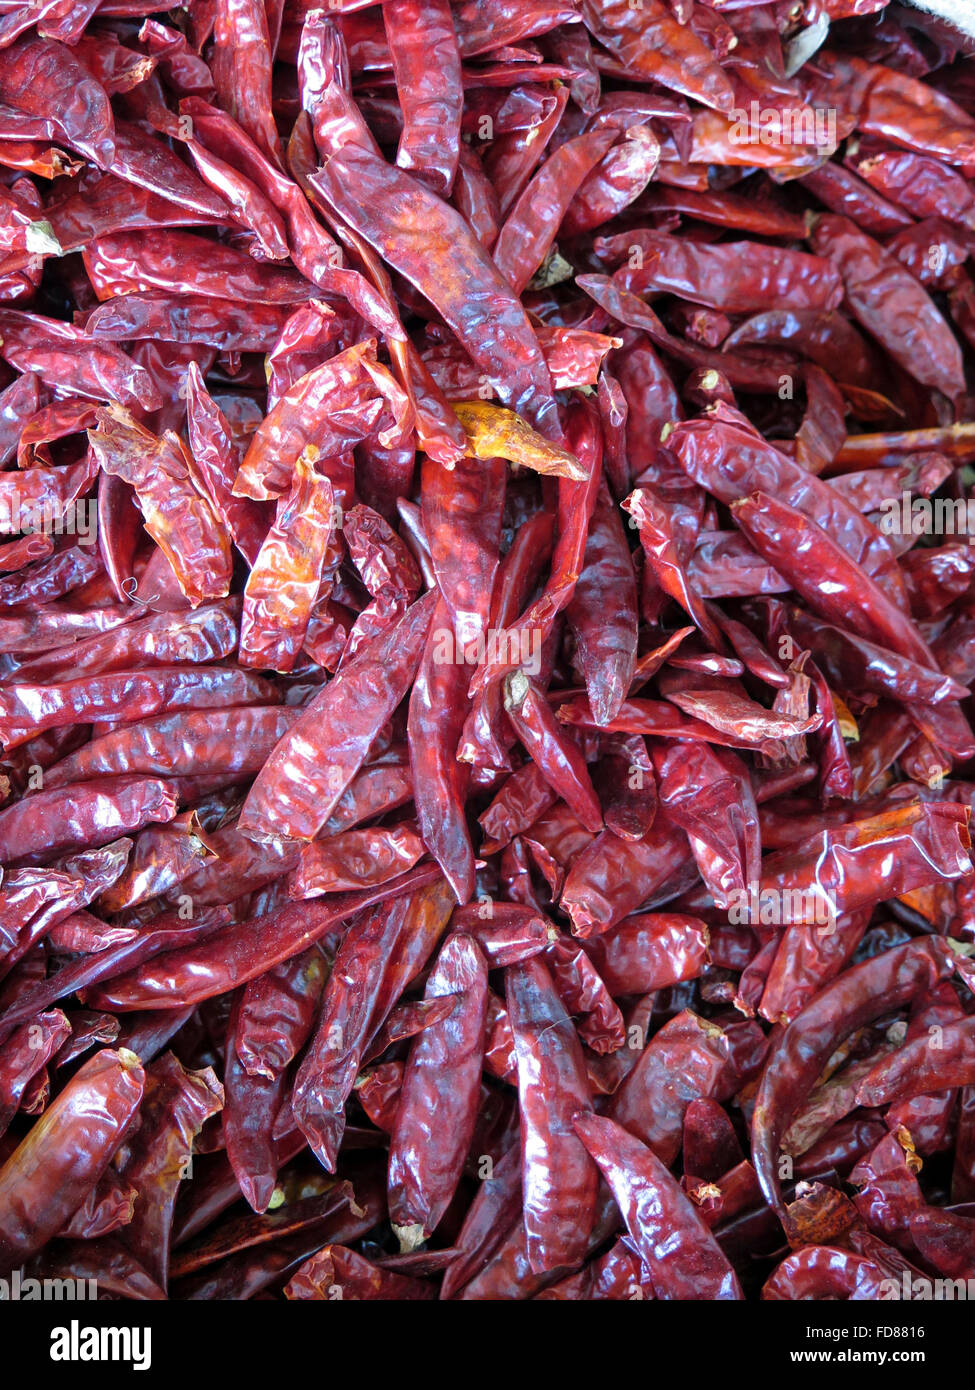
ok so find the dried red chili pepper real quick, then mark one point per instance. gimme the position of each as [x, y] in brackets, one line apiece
[66, 1152]
[558, 1177]
[535, 245]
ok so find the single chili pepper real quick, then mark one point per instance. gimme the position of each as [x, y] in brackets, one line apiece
[944, 1240]
[606, 640]
[251, 1105]
[439, 779]
[188, 743]
[287, 572]
[553, 750]
[450, 264]
[915, 333]
[583, 992]
[294, 795]
[734, 276]
[423, 45]
[248, 1232]
[66, 1152]
[175, 1105]
[649, 951]
[675, 1246]
[244, 952]
[558, 1178]
[35, 74]
[440, 1089]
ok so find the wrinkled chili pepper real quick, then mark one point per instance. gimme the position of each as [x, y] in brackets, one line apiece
[423, 419]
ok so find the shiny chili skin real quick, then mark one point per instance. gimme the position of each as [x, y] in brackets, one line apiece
[66, 1152]
[558, 1178]
[439, 1096]
[682, 1257]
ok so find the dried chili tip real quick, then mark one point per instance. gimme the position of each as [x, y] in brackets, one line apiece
[496, 432]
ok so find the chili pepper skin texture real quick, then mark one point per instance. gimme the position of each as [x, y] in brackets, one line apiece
[676, 1247]
[487, 627]
[379, 956]
[558, 1177]
[438, 1101]
[66, 1152]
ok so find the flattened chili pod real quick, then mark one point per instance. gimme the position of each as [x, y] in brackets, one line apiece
[559, 1180]
[177, 1102]
[303, 779]
[677, 1249]
[48, 1176]
[439, 1098]
[240, 953]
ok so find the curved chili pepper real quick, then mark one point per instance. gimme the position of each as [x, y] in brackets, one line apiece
[860, 995]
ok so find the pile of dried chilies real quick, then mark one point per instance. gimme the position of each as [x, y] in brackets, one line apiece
[487, 616]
